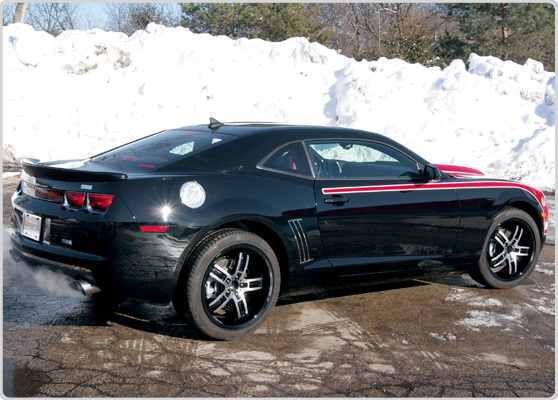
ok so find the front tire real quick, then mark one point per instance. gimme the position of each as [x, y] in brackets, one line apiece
[230, 285]
[510, 251]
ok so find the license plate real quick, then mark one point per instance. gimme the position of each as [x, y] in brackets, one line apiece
[31, 226]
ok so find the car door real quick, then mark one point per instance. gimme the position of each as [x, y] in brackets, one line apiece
[377, 213]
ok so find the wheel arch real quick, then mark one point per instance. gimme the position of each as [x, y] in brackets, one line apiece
[272, 237]
[532, 211]
[255, 226]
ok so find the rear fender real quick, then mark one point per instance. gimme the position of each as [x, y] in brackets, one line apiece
[276, 238]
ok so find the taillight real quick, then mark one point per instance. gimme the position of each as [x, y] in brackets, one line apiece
[40, 192]
[153, 228]
[75, 199]
[100, 202]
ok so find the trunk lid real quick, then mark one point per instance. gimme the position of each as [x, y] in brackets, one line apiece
[71, 171]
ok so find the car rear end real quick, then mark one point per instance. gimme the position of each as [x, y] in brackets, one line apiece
[66, 219]
[98, 221]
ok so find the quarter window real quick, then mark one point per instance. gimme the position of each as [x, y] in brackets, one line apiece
[290, 158]
[357, 159]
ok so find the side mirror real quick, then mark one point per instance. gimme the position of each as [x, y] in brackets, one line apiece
[432, 174]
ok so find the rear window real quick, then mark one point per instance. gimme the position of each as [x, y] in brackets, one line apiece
[158, 150]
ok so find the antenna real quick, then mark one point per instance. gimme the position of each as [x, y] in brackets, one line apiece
[214, 124]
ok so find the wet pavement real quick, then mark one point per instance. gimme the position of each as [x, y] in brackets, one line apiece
[444, 337]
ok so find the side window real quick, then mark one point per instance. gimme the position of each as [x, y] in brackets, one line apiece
[290, 158]
[358, 159]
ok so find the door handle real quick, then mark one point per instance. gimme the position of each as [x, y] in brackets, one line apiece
[336, 199]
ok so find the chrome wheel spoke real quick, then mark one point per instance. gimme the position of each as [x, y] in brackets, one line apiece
[241, 265]
[228, 288]
[521, 250]
[219, 307]
[507, 249]
[251, 285]
[230, 299]
[498, 258]
[501, 238]
[240, 304]
[500, 265]
[218, 299]
[220, 275]
[516, 236]
[217, 286]
[512, 262]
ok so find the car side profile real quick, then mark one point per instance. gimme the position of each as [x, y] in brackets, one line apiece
[222, 219]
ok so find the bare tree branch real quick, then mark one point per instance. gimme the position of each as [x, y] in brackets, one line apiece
[54, 18]
[131, 17]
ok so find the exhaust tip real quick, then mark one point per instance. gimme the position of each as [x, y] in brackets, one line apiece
[86, 288]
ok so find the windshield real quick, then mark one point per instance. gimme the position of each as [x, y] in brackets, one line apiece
[158, 150]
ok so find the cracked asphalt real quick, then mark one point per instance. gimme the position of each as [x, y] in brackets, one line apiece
[442, 337]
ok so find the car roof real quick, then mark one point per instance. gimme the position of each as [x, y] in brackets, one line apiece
[263, 138]
[302, 132]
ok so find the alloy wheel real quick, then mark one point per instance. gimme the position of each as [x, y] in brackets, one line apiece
[237, 287]
[510, 249]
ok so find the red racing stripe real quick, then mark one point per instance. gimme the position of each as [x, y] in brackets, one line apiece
[428, 186]
[537, 194]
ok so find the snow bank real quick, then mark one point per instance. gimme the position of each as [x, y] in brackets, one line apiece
[83, 92]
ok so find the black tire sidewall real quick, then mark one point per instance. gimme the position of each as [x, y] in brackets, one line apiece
[484, 272]
[191, 300]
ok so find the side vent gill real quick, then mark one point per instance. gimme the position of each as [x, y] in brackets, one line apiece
[301, 240]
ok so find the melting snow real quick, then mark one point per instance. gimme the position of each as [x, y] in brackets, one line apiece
[444, 336]
[84, 92]
[545, 268]
[472, 299]
[484, 319]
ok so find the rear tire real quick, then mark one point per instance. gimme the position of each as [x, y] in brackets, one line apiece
[510, 250]
[230, 285]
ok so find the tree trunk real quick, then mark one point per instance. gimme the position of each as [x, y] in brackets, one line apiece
[19, 14]
[504, 21]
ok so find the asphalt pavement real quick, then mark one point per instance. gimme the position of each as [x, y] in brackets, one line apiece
[443, 337]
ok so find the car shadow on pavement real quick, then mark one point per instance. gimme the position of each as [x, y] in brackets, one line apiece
[458, 280]
[163, 320]
[349, 291]
[69, 308]
[102, 311]
[41, 300]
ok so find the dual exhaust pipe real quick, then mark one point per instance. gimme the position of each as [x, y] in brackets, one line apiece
[86, 288]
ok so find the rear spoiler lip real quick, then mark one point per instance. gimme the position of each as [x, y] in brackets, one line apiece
[31, 167]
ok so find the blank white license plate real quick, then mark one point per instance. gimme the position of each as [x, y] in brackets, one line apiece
[31, 226]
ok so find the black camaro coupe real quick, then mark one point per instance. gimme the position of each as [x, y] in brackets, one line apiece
[222, 219]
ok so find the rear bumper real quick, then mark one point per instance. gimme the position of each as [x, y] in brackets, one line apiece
[37, 255]
[109, 251]
[132, 276]
[52, 257]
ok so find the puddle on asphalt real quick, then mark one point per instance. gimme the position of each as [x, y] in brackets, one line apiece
[21, 381]
[527, 282]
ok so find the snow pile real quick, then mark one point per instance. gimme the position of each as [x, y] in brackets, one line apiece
[83, 92]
